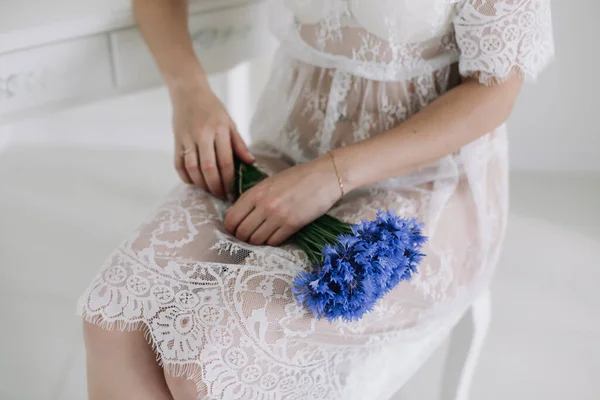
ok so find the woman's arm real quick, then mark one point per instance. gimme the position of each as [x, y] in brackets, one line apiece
[280, 205]
[455, 119]
[164, 26]
[205, 134]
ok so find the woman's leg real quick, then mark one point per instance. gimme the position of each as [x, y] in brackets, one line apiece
[182, 388]
[122, 366]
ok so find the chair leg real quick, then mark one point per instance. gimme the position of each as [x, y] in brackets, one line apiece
[466, 342]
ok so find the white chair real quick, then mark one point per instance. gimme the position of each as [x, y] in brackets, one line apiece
[87, 50]
[466, 341]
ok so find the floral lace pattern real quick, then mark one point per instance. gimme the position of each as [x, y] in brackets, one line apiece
[400, 39]
[497, 37]
[221, 311]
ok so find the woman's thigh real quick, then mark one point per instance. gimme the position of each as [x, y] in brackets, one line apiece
[122, 366]
[182, 388]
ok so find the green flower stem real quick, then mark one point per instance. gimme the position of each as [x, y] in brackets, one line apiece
[313, 238]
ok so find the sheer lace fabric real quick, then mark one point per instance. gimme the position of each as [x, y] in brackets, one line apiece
[221, 311]
[399, 39]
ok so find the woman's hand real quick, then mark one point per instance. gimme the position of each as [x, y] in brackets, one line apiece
[205, 139]
[280, 205]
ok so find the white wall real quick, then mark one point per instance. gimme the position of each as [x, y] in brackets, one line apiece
[555, 125]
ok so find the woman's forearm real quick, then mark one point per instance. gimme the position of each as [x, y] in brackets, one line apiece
[164, 26]
[455, 119]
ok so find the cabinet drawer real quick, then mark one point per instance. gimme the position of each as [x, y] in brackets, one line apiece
[52, 73]
[222, 39]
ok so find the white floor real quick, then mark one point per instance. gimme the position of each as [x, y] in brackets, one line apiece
[63, 208]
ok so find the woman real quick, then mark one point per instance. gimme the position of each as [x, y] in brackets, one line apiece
[398, 105]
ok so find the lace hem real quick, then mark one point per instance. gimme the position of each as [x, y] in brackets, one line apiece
[487, 79]
[420, 349]
[189, 370]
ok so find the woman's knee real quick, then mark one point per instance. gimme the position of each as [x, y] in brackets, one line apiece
[93, 335]
[181, 388]
[106, 343]
[122, 365]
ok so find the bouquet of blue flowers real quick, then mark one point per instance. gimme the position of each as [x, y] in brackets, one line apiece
[353, 266]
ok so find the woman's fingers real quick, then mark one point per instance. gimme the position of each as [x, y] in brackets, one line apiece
[237, 213]
[180, 164]
[239, 147]
[224, 157]
[207, 159]
[208, 163]
[249, 225]
[280, 235]
[190, 159]
[189, 155]
[264, 231]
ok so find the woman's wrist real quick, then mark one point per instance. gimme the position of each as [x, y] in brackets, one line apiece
[343, 170]
[323, 174]
[372, 160]
[190, 78]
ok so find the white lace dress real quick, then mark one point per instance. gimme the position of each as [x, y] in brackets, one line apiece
[221, 311]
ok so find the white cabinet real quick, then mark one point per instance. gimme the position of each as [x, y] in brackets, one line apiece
[54, 73]
[222, 38]
[89, 53]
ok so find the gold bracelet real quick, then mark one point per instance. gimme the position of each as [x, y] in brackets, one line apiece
[337, 173]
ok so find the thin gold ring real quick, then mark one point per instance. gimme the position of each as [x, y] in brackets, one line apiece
[186, 151]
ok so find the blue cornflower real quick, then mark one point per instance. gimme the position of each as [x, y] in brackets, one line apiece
[359, 268]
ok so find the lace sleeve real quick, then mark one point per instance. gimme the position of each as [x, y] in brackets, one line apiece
[498, 38]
